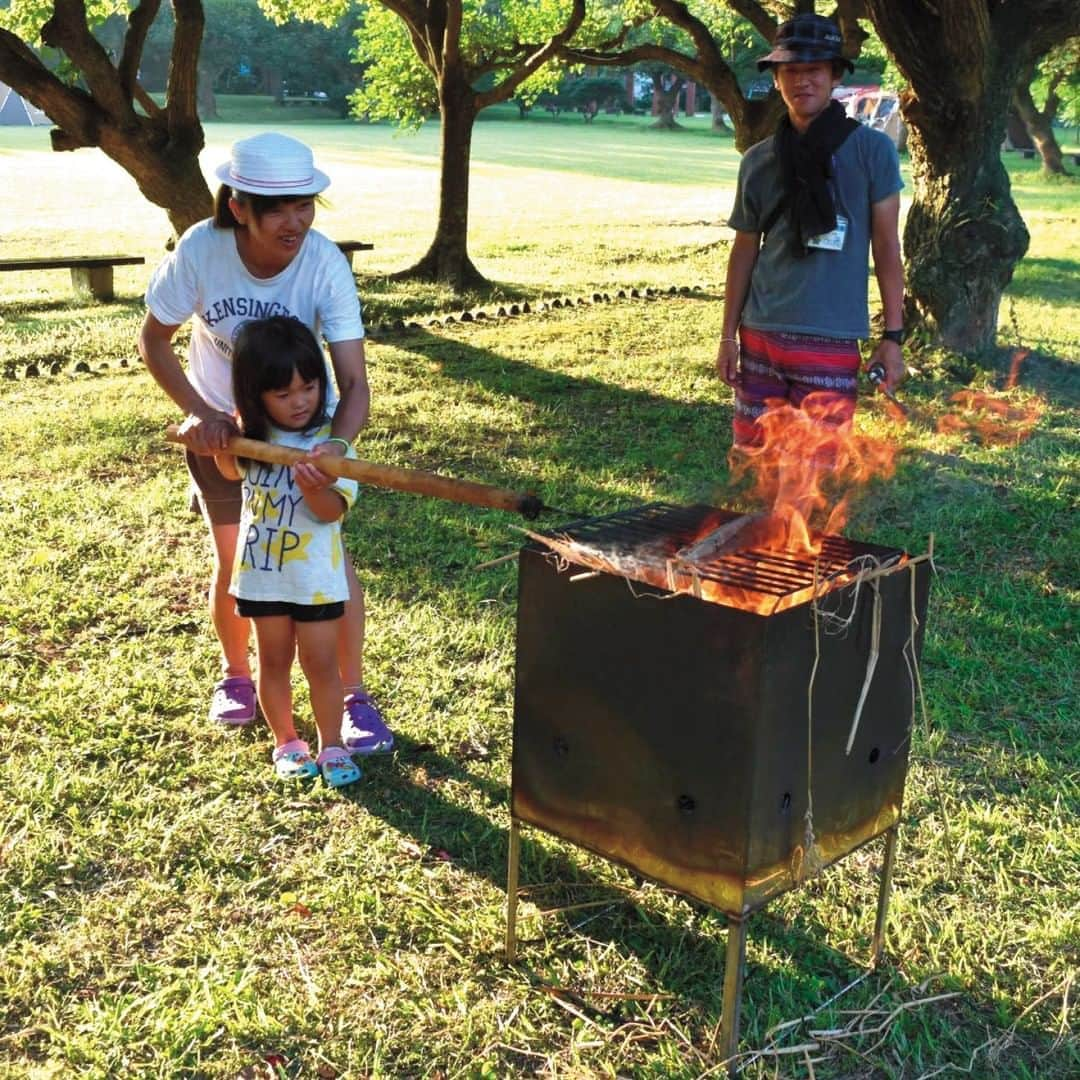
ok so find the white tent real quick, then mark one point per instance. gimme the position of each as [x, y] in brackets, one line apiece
[15, 109]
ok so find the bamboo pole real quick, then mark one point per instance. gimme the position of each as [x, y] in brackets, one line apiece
[416, 481]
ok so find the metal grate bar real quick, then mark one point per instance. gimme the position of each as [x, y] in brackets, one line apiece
[654, 532]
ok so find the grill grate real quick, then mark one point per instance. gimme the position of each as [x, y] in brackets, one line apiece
[649, 536]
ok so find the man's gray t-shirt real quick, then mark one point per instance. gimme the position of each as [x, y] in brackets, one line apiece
[824, 293]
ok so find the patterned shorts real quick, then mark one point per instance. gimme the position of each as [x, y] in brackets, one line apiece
[788, 367]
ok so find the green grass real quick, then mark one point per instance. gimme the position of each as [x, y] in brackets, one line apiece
[167, 910]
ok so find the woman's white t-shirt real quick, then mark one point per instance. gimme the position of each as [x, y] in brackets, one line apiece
[205, 280]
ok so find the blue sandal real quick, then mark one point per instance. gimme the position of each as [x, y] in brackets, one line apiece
[337, 768]
[293, 761]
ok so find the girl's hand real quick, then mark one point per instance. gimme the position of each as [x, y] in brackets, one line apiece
[310, 478]
[335, 447]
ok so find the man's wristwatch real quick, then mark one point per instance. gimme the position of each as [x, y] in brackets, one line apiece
[894, 335]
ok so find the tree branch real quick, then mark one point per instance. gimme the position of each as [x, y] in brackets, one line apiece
[451, 36]
[761, 20]
[70, 108]
[677, 13]
[417, 23]
[139, 22]
[182, 107]
[638, 54]
[67, 30]
[553, 47]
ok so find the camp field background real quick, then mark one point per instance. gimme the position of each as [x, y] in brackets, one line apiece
[167, 910]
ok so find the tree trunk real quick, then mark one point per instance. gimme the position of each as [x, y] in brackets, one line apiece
[169, 177]
[207, 100]
[1039, 122]
[964, 235]
[754, 120]
[716, 108]
[447, 259]
[666, 88]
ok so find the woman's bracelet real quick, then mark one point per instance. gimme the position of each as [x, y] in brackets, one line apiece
[723, 339]
[343, 443]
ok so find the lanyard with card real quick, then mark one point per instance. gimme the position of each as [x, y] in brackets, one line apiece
[832, 240]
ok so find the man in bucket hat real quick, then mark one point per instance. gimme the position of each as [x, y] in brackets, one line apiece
[259, 256]
[810, 203]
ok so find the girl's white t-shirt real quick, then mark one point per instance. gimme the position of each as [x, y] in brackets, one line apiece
[284, 552]
[205, 280]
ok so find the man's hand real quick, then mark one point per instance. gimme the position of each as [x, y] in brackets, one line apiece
[727, 360]
[891, 357]
[207, 435]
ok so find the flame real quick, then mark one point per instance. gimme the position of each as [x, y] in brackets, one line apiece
[1016, 362]
[807, 468]
[804, 473]
[992, 418]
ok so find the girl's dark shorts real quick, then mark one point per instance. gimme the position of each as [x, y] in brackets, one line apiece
[212, 495]
[254, 609]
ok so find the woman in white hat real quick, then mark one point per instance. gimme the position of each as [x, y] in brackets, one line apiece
[259, 256]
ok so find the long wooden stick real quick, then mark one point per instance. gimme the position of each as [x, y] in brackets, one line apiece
[417, 481]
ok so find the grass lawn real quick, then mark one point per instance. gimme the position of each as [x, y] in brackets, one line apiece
[167, 909]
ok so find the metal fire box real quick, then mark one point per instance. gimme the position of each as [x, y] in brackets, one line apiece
[687, 740]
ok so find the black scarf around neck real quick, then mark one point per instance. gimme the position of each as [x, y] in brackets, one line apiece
[806, 168]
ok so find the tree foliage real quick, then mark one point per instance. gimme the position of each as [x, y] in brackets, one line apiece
[304, 56]
[460, 56]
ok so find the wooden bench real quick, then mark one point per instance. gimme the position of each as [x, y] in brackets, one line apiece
[302, 99]
[91, 275]
[349, 246]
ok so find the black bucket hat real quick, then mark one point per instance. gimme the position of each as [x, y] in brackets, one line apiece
[806, 39]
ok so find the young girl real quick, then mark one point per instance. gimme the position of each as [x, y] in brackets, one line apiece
[289, 571]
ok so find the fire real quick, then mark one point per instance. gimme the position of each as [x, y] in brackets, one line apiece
[803, 474]
[990, 417]
[806, 470]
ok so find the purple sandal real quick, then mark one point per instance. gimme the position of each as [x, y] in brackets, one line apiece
[233, 704]
[362, 727]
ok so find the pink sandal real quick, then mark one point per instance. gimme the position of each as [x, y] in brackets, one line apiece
[337, 768]
[293, 761]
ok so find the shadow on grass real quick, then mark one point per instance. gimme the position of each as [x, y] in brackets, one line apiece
[1054, 377]
[648, 430]
[1046, 279]
[387, 297]
[684, 957]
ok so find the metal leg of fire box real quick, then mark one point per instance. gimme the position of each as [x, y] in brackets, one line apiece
[883, 895]
[734, 963]
[512, 889]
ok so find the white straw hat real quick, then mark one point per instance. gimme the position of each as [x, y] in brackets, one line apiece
[272, 164]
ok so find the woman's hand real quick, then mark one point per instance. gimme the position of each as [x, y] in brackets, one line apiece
[208, 435]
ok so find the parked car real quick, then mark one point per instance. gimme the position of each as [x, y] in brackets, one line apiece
[875, 107]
